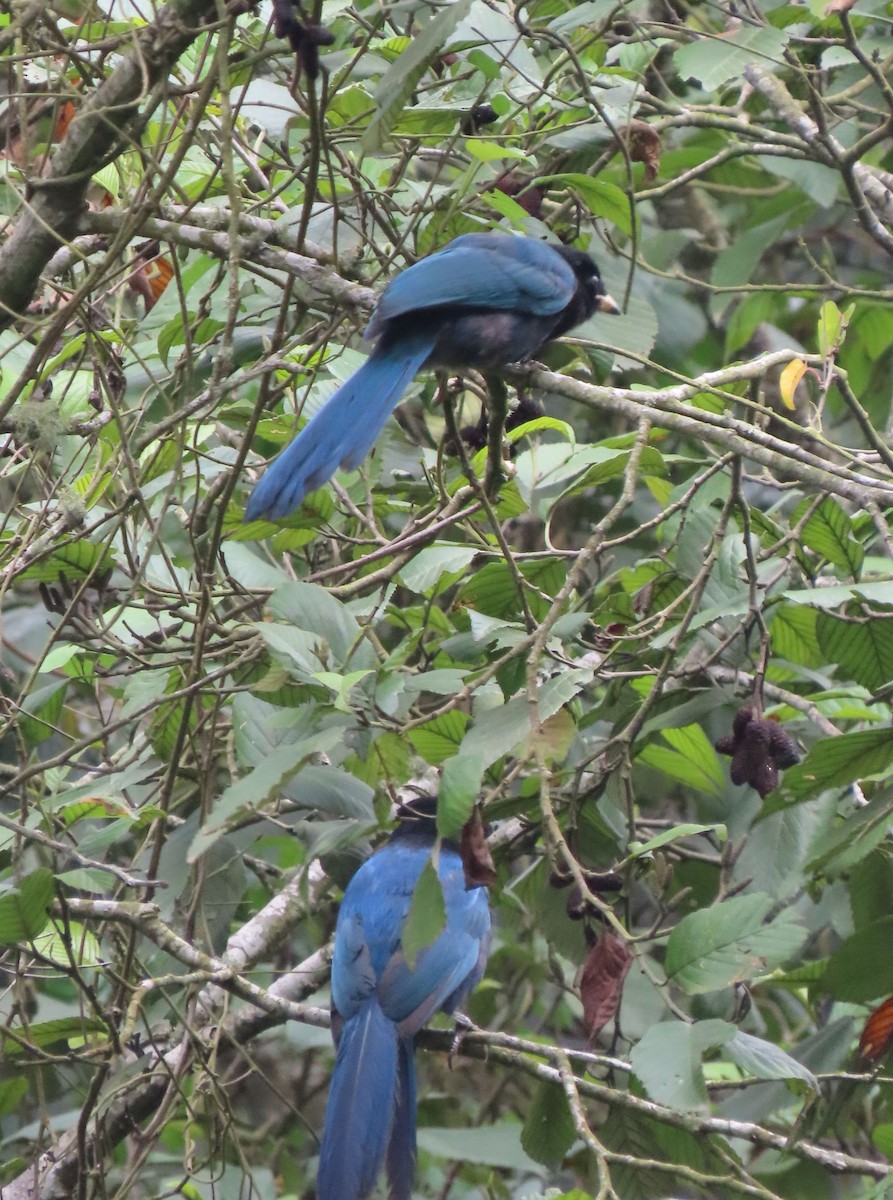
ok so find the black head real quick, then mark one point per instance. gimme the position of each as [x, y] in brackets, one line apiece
[590, 296]
[417, 820]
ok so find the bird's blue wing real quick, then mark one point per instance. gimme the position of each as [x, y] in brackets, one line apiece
[380, 1004]
[353, 976]
[483, 270]
[446, 969]
[368, 955]
[370, 921]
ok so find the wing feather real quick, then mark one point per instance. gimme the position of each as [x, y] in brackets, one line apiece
[481, 270]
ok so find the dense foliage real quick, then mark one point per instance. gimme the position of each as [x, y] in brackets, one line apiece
[203, 722]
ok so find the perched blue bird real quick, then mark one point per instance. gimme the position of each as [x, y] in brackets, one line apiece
[379, 1004]
[484, 301]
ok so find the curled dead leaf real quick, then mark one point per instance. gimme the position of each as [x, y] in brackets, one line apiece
[644, 145]
[601, 982]
[877, 1033]
[475, 853]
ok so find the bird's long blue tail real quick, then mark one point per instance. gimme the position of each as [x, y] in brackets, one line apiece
[341, 434]
[360, 1111]
[401, 1147]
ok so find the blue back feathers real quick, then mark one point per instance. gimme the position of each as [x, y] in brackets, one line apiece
[379, 1004]
[480, 270]
[485, 300]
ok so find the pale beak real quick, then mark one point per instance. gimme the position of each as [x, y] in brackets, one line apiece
[607, 304]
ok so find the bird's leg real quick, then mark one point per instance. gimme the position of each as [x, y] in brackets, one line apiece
[464, 1025]
[497, 405]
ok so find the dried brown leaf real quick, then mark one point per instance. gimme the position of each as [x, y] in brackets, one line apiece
[601, 983]
[476, 858]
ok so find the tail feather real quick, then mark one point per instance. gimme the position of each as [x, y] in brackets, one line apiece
[402, 1147]
[360, 1111]
[342, 433]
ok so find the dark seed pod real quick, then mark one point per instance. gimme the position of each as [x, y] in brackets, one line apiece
[576, 905]
[560, 879]
[784, 751]
[760, 748]
[477, 117]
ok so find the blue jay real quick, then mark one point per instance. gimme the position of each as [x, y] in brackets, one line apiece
[484, 301]
[379, 1003]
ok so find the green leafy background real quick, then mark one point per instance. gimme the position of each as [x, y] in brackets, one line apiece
[203, 723]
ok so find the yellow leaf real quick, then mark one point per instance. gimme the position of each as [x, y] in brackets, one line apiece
[790, 377]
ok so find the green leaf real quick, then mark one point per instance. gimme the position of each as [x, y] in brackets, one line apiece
[730, 943]
[494, 151]
[497, 731]
[667, 1060]
[438, 564]
[691, 759]
[637, 1138]
[849, 842]
[400, 80]
[820, 183]
[839, 761]
[111, 786]
[47, 1033]
[493, 588]
[252, 790]
[862, 646]
[310, 608]
[439, 738]
[882, 1137]
[793, 631]
[810, 972]
[86, 879]
[259, 727]
[599, 464]
[751, 312]
[460, 788]
[60, 656]
[713, 61]
[603, 199]
[76, 561]
[862, 969]
[506, 206]
[11, 1092]
[41, 710]
[549, 1130]
[778, 846]
[637, 849]
[445, 681]
[737, 262]
[24, 909]
[427, 915]
[497, 1145]
[829, 532]
[333, 791]
[832, 327]
[765, 1060]
[589, 12]
[871, 889]
[77, 945]
[540, 425]
[167, 719]
[874, 592]
[340, 686]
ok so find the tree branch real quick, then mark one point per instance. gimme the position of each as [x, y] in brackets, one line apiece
[108, 121]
